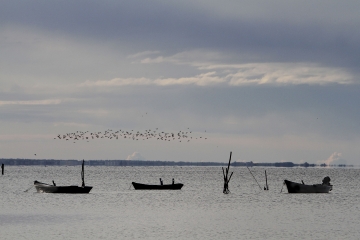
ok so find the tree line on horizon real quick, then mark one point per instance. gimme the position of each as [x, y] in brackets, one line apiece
[53, 162]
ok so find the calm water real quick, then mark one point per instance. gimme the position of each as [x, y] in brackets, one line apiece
[200, 210]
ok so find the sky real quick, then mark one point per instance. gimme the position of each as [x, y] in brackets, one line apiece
[271, 81]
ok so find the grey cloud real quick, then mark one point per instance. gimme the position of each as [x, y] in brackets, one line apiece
[286, 32]
[49, 48]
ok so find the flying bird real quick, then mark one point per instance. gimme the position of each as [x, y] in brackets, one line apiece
[132, 134]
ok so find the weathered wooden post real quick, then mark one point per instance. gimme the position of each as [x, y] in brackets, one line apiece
[2, 169]
[82, 174]
[266, 186]
[226, 179]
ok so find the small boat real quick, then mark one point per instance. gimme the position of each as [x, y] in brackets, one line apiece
[47, 188]
[294, 187]
[73, 189]
[174, 186]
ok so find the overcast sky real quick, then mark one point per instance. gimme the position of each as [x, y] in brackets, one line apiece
[269, 80]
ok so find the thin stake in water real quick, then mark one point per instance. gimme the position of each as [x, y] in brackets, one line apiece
[83, 174]
[254, 177]
[266, 186]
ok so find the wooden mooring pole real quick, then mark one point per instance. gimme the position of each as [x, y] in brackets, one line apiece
[267, 186]
[83, 174]
[226, 179]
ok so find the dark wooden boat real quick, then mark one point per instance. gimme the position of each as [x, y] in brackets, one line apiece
[140, 186]
[294, 187]
[47, 188]
[73, 189]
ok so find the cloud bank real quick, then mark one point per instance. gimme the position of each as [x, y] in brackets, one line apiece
[243, 75]
[281, 77]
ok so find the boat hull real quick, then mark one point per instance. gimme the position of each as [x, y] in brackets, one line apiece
[294, 187]
[45, 188]
[140, 186]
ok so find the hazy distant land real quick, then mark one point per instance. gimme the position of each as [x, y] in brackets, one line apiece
[53, 162]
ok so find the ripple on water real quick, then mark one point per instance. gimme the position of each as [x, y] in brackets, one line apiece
[114, 210]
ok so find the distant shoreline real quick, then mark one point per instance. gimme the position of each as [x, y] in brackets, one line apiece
[53, 162]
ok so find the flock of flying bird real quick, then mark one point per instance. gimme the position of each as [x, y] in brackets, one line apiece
[181, 136]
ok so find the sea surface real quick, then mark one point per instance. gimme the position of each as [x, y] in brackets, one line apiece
[114, 210]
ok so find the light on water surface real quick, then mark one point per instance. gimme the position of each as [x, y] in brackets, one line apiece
[114, 210]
